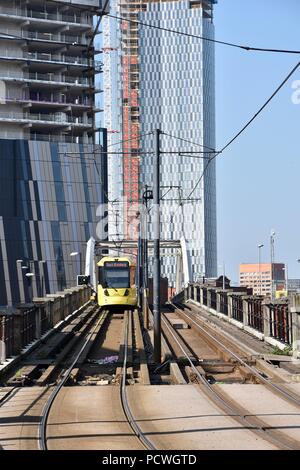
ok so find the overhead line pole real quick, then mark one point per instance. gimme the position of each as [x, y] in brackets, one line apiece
[272, 240]
[146, 197]
[140, 265]
[156, 246]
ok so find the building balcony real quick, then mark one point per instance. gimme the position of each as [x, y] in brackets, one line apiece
[48, 58]
[61, 138]
[45, 37]
[22, 14]
[37, 100]
[47, 78]
[58, 119]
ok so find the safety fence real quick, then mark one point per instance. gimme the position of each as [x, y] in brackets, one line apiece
[281, 324]
[21, 326]
[277, 322]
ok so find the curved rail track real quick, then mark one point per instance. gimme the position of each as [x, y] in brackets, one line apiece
[136, 430]
[125, 405]
[7, 396]
[240, 414]
[279, 390]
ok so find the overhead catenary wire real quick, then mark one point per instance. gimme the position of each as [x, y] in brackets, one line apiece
[96, 30]
[203, 38]
[178, 32]
[137, 137]
[187, 141]
[229, 143]
[237, 135]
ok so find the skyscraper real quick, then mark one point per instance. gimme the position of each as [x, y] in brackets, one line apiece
[51, 172]
[166, 82]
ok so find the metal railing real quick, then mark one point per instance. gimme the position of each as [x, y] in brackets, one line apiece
[204, 296]
[237, 308]
[50, 77]
[44, 57]
[54, 78]
[275, 321]
[44, 15]
[213, 299]
[281, 323]
[56, 118]
[80, 101]
[255, 314]
[48, 57]
[22, 326]
[40, 97]
[53, 37]
[224, 303]
[60, 138]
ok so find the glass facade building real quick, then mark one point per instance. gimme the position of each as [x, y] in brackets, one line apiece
[49, 194]
[164, 81]
[52, 176]
[177, 96]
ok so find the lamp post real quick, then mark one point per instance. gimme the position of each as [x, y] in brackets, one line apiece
[32, 273]
[77, 253]
[286, 278]
[29, 277]
[20, 280]
[272, 245]
[223, 267]
[41, 271]
[259, 262]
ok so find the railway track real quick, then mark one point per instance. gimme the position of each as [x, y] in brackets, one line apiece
[124, 413]
[148, 445]
[275, 388]
[66, 375]
[221, 399]
[39, 365]
[7, 396]
[143, 441]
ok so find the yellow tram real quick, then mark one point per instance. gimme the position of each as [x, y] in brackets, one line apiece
[116, 282]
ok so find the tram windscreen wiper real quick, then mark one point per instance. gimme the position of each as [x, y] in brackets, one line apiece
[109, 286]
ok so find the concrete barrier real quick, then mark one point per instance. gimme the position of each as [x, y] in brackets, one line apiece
[24, 324]
[276, 323]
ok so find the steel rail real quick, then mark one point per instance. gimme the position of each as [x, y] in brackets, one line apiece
[274, 387]
[124, 400]
[7, 396]
[234, 413]
[42, 431]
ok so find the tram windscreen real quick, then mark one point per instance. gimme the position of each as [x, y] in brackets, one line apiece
[116, 275]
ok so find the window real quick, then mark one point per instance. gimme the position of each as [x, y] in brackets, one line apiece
[112, 276]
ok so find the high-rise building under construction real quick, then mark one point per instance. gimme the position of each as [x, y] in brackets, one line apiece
[155, 78]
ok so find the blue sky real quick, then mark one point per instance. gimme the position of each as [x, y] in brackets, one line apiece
[258, 176]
